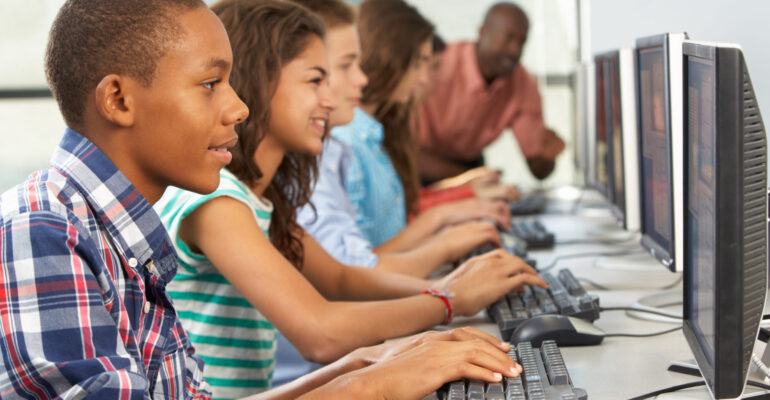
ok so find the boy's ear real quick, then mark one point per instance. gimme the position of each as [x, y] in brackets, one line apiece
[114, 101]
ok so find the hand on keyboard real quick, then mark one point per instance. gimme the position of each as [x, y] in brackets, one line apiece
[425, 367]
[394, 348]
[458, 240]
[472, 209]
[497, 191]
[483, 279]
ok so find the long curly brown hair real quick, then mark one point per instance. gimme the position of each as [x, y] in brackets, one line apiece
[266, 35]
[391, 33]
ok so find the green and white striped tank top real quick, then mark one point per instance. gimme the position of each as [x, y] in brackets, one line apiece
[236, 342]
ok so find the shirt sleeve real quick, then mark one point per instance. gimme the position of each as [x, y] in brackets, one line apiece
[333, 224]
[59, 338]
[430, 197]
[528, 125]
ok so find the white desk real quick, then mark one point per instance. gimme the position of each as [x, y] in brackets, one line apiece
[620, 367]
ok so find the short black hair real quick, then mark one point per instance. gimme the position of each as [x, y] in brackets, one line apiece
[504, 5]
[439, 45]
[90, 39]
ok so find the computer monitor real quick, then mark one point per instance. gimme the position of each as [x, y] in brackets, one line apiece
[725, 270]
[585, 123]
[623, 157]
[659, 98]
[600, 180]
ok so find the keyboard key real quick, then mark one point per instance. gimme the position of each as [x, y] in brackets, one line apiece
[495, 392]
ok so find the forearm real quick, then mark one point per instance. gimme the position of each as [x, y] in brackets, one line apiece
[360, 284]
[418, 230]
[419, 262]
[341, 327]
[315, 380]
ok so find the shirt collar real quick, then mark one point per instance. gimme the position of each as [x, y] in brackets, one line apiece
[367, 125]
[133, 225]
[472, 71]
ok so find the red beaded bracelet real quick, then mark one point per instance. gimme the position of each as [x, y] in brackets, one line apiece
[444, 296]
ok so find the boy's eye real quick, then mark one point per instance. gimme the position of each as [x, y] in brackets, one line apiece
[210, 85]
[316, 81]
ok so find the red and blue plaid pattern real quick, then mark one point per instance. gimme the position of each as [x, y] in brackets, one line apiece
[84, 262]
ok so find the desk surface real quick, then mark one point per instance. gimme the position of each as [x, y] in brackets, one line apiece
[620, 367]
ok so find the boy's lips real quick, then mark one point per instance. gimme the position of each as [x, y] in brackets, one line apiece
[222, 152]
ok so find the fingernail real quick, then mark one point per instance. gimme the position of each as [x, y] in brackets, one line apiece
[514, 372]
[519, 368]
[498, 376]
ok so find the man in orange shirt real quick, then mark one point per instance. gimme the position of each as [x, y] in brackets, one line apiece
[482, 89]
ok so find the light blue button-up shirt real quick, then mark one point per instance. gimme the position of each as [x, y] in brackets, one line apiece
[371, 182]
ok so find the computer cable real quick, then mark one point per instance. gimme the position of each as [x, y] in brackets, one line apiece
[688, 386]
[593, 284]
[758, 362]
[607, 242]
[560, 257]
[643, 310]
[641, 335]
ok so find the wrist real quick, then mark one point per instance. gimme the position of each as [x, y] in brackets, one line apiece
[445, 297]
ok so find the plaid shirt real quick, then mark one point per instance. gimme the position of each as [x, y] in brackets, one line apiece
[84, 262]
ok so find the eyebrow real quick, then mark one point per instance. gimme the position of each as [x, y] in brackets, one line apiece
[319, 69]
[215, 62]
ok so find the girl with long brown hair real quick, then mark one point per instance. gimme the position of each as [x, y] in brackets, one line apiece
[376, 168]
[236, 287]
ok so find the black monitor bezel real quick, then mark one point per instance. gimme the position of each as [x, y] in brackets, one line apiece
[726, 377]
[599, 65]
[665, 256]
[617, 211]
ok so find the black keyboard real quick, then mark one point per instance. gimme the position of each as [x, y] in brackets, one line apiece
[533, 232]
[566, 296]
[528, 205]
[545, 377]
[512, 244]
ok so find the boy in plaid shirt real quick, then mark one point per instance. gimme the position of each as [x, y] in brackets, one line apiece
[84, 259]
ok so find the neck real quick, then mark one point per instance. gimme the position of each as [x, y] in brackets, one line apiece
[485, 73]
[109, 142]
[369, 108]
[268, 157]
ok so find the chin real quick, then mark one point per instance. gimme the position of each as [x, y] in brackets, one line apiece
[203, 186]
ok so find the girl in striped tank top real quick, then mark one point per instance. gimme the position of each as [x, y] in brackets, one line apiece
[248, 268]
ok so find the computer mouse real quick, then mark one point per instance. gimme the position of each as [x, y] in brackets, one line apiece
[566, 331]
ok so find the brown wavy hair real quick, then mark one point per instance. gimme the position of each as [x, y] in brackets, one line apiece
[266, 35]
[391, 33]
[334, 13]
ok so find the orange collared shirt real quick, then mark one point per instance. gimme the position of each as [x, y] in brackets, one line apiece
[464, 115]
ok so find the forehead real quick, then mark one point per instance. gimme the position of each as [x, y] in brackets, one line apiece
[204, 40]
[313, 55]
[508, 19]
[341, 41]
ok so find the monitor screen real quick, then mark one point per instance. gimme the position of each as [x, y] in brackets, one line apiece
[656, 194]
[617, 173]
[602, 179]
[701, 202]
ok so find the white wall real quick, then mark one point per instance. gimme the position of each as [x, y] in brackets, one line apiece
[615, 24]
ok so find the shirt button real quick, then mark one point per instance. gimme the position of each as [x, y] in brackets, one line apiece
[146, 307]
[132, 262]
